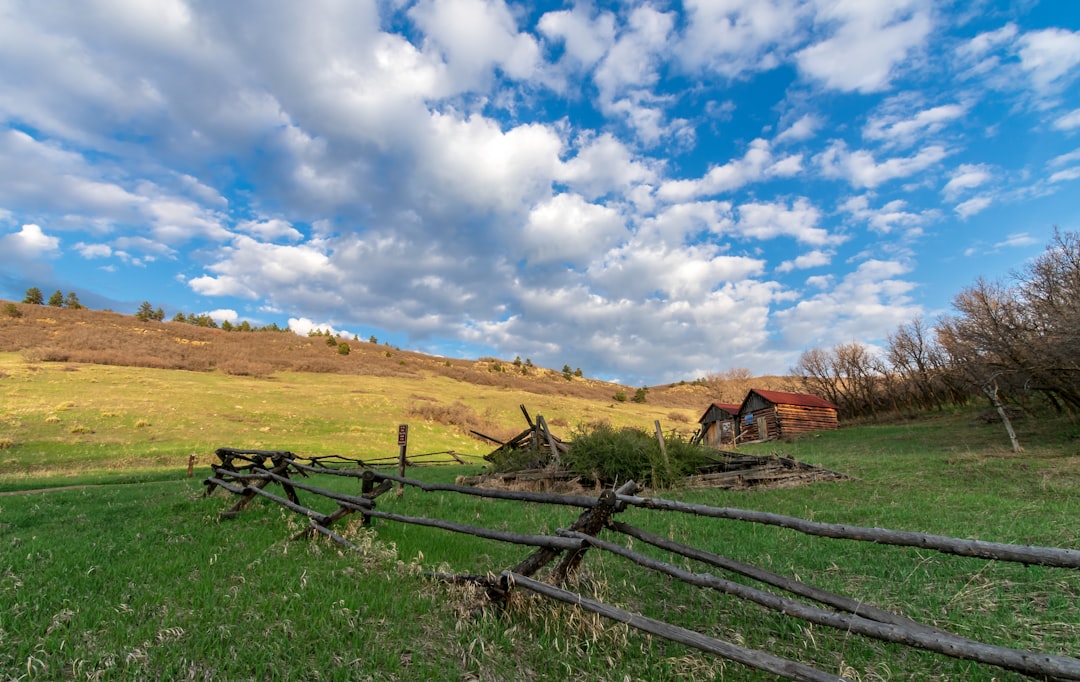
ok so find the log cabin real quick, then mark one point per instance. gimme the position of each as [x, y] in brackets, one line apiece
[769, 415]
[718, 424]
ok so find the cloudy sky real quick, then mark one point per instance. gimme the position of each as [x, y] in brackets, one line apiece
[650, 191]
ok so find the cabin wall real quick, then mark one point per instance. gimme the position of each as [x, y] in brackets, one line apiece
[798, 419]
[718, 432]
[784, 420]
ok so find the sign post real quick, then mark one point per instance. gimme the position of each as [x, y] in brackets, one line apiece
[403, 444]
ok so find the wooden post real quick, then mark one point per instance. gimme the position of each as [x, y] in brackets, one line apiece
[191, 465]
[403, 444]
[366, 487]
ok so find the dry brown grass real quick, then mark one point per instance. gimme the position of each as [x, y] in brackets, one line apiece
[48, 334]
[460, 415]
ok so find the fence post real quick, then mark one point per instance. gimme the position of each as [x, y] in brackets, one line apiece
[403, 444]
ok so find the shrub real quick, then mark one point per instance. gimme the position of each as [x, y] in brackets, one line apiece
[343, 348]
[640, 394]
[330, 340]
[615, 455]
[620, 397]
[12, 310]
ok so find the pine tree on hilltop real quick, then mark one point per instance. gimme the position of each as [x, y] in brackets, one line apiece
[145, 312]
[57, 299]
[34, 296]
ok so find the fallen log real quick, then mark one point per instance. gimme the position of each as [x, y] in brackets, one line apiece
[318, 517]
[791, 585]
[1024, 554]
[758, 660]
[550, 498]
[549, 541]
[942, 642]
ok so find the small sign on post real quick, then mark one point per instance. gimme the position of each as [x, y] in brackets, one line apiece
[403, 444]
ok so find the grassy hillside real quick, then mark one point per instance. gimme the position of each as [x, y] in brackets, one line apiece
[62, 419]
[49, 334]
[92, 393]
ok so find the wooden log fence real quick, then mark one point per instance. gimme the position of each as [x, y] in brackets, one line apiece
[247, 473]
[1023, 554]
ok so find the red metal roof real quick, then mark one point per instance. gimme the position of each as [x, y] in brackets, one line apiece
[802, 399]
[732, 410]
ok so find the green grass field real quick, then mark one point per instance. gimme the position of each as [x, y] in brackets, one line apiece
[143, 581]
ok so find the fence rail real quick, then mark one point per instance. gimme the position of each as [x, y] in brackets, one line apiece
[246, 473]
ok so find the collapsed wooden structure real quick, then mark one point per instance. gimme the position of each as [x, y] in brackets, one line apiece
[534, 458]
[545, 448]
[257, 469]
[738, 471]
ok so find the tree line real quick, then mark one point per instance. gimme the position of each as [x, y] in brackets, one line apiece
[57, 300]
[1019, 339]
[147, 312]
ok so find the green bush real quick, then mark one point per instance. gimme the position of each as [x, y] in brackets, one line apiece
[616, 455]
[620, 396]
[12, 310]
[343, 348]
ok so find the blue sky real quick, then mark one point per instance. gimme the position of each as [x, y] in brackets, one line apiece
[648, 191]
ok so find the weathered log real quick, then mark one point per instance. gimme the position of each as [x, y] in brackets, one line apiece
[836, 601]
[247, 494]
[496, 441]
[528, 419]
[518, 495]
[598, 518]
[942, 642]
[1024, 554]
[236, 490]
[541, 557]
[541, 423]
[289, 504]
[362, 500]
[523, 476]
[759, 660]
[549, 541]
[332, 535]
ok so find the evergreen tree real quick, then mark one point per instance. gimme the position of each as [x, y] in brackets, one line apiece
[34, 296]
[159, 315]
[57, 299]
[145, 312]
[72, 301]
